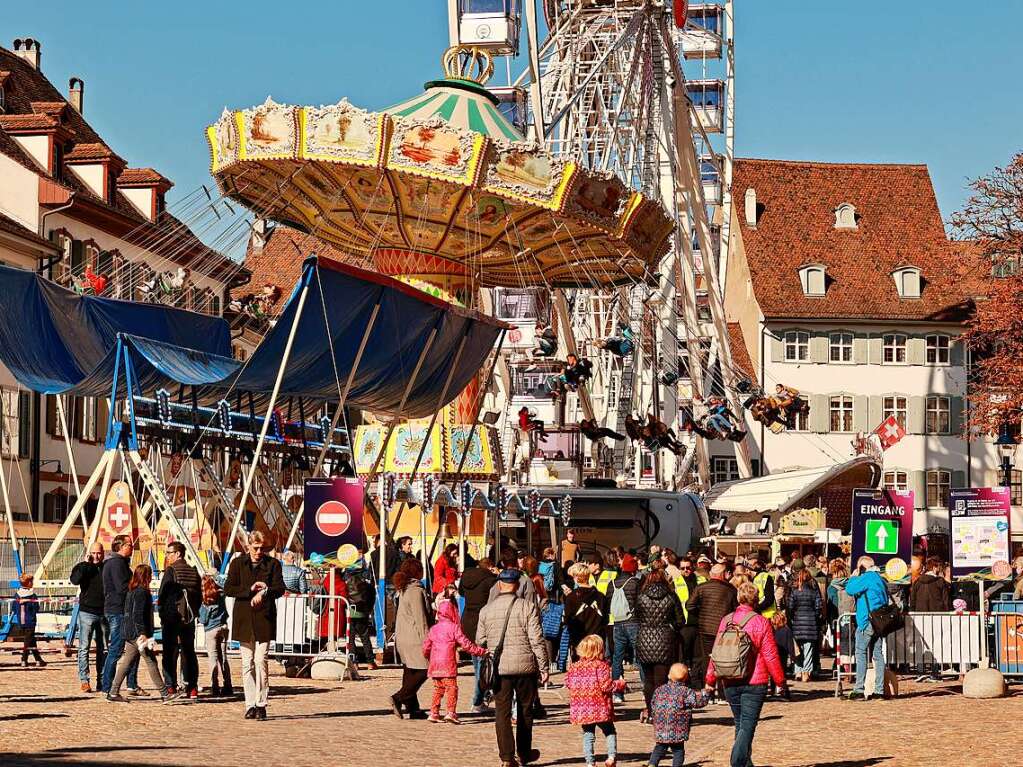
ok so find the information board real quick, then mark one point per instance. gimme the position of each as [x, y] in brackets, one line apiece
[882, 525]
[979, 521]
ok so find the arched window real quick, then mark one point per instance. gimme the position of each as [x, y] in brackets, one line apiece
[907, 282]
[813, 279]
[845, 216]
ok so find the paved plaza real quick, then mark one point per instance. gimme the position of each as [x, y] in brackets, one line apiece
[44, 720]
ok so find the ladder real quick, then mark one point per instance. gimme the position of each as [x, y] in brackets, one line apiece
[276, 509]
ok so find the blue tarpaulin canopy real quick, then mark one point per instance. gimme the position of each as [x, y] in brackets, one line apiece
[54, 341]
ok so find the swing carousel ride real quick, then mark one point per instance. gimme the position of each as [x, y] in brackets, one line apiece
[591, 197]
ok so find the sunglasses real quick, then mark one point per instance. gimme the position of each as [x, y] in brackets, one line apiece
[258, 548]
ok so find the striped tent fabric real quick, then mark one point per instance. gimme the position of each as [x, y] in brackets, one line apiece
[461, 103]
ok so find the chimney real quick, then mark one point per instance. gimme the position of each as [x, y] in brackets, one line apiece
[751, 207]
[75, 93]
[29, 50]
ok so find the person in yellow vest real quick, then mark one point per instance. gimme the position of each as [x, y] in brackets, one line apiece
[604, 572]
[765, 586]
[685, 582]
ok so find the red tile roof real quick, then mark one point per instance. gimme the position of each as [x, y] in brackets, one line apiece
[898, 222]
[741, 361]
[279, 261]
[55, 108]
[28, 122]
[142, 177]
[92, 151]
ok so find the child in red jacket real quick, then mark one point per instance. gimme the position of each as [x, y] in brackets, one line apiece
[590, 688]
[441, 647]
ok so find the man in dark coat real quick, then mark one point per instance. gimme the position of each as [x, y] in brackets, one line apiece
[116, 574]
[710, 602]
[930, 592]
[88, 577]
[256, 582]
[179, 599]
[475, 586]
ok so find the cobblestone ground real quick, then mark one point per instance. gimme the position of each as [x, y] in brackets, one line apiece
[45, 720]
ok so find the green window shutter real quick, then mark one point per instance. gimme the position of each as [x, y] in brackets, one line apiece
[24, 424]
[874, 411]
[861, 413]
[956, 352]
[777, 349]
[51, 414]
[819, 348]
[918, 484]
[820, 413]
[860, 344]
[77, 254]
[956, 415]
[915, 415]
[958, 480]
[916, 350]
[874, 350]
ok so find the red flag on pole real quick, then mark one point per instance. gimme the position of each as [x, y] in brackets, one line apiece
[681, 12]
[890, 432]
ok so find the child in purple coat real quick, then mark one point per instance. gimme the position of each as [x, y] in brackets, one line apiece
[672, 713]
[441, 647]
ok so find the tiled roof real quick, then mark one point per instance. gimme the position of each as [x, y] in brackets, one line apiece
[741, 361]
[11, 226]
[55, 108]
[94, 151]
[28, 122]
[279, 261]
[898, 222]
[141, 177]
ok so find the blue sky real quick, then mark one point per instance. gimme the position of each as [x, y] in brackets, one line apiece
[904, 82]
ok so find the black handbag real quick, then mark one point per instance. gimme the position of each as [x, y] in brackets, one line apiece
[490, 679]
[886, 619]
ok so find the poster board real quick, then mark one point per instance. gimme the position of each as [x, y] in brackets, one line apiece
[332, 525]
[979, 523]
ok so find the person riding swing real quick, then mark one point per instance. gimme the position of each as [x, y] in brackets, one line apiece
[620, 345]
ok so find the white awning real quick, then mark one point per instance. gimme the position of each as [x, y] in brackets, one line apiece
[783, 491]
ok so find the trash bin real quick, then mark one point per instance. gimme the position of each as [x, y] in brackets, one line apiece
[1007, 616]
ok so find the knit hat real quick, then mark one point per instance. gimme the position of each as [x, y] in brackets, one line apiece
[629, 564]
[797, 564]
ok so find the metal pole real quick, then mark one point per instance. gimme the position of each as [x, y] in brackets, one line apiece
[67, 443]
[535, 93]
[479, 405]
[266, 424]
[9, 514]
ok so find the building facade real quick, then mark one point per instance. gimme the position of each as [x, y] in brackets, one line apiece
[71, 207]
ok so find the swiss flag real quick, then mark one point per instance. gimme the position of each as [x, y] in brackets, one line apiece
[890, 432]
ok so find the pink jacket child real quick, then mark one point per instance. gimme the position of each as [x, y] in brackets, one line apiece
[590, 686]
[767, 665]
[442, 643]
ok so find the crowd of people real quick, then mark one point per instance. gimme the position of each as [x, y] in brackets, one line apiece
[700, 631]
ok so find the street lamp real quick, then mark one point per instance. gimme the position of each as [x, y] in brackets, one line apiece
[1006, 444]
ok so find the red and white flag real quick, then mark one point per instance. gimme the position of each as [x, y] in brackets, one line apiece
[890, 432]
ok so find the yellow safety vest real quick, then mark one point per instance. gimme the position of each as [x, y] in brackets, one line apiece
[761, 583]
[602, 584]
[682, 589]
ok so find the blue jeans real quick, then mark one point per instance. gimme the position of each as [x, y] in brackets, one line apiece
[678, 754]
[590, 737]
[867, 644]
[720, 423]
[625, 640]
[806, 662]
[477, 692]
[90, 629]
[746, 700]
[114, 650]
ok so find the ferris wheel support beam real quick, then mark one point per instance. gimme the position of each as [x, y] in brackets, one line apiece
[535, 91]
[565, 328]
[729, 156]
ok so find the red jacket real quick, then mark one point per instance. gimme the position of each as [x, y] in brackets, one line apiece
[590, 686]
[444, 574]
[767, 666]
[339, 611]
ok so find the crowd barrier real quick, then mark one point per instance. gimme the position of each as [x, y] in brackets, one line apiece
[54, 617]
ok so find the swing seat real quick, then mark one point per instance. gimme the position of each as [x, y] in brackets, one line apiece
[737, 436]
[776, 428]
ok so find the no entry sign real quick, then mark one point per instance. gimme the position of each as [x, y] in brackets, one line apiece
[333, 515]
[882, 525]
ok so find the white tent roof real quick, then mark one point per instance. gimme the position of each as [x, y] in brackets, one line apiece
[781, 491]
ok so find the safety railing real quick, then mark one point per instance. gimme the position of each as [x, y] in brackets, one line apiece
[54, 616]
[311, 624]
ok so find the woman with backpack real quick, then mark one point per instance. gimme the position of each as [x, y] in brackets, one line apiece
[586, 609]
[745, 659]
[805, 617]
[659, 615]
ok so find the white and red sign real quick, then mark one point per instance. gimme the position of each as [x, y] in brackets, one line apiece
[333, 518]
[119, 516]
[890, 432]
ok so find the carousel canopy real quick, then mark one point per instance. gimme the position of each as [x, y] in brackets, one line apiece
[441, 184]
[74, 345]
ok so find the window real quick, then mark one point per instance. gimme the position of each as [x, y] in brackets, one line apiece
[937, 349]
[56, 505]
[1004, 266]
[938, 483]
[894, 406]
[894, 349]
[896, 480]
[239, 352]
[840, 347]
[522, 305]
[907, 282]
[530, 383]
[723, 469]
[10, 428]
[1016, 488]
[845, 216]
[705, 95]
[802, 423]
[813, 280]
[936, 418]
[707, 19]
[89, 419]
[797, 346]
[841, 413]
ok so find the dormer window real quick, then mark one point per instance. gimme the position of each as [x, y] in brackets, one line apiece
[907, 282]
[845, 216]
[813, 278]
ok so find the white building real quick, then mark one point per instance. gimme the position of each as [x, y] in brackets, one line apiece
[67, 202]
[845, 286]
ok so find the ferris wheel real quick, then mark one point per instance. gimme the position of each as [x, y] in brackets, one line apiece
[603, 85]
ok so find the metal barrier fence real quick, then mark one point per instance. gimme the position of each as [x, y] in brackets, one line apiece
[52, 620]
